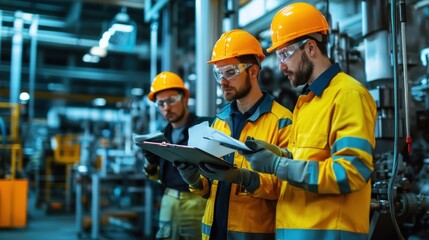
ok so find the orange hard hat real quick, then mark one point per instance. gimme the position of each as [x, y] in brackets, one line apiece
[236, 43]
[164, 81]
[294, 21]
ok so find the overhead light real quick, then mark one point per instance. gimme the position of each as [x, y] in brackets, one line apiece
[119, 27]
[120, 35]
[89, 58]
[137, 91]
[98, 51]
[24, 96]
[122, 31]
[99, 102]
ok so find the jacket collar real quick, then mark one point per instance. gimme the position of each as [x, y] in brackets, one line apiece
[264, 106]
[321, 82]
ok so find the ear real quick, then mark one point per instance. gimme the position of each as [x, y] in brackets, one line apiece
[312, 47]
[185, 100]
[254, 70]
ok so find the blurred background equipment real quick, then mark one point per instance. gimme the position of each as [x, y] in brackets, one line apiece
[74, 76]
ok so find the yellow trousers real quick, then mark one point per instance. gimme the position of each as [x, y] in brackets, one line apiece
[180, 215]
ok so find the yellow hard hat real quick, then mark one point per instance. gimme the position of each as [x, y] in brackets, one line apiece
[164, 81]
[294, 21]
[236, 43]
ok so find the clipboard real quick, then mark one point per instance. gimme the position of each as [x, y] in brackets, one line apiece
[182, 153]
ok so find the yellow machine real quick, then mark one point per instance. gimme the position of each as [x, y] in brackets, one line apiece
[13, 192]
[66, 153]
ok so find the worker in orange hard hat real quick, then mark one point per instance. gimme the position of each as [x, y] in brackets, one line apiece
[241, 202]
[181, 211]
[326, 191]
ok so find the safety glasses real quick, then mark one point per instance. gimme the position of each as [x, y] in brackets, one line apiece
[229, 71]
[172, 100]
[284, 53]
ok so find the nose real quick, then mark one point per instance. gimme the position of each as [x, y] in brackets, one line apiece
[223, 81]
[283, 66]
[167, 106]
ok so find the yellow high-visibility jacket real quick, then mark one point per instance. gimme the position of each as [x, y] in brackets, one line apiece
[327, 192]
[250, 215]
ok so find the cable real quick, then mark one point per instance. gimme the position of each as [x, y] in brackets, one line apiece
[390, 187]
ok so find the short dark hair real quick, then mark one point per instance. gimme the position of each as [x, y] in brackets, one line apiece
[322, 45]
[250, 58]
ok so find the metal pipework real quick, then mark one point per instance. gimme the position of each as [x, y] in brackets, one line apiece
[403, 19]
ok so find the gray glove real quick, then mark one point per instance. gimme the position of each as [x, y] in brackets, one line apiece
[261, 159]
[298, 173]
[239, 176]
[257, 145]
[189, 173]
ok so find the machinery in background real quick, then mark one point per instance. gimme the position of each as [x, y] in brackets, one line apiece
[13, 190]
[400, 182]
[107, 180]
[58, 171]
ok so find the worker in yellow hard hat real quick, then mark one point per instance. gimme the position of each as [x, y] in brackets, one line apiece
[181, 211]
[326, 191]
[241, 202]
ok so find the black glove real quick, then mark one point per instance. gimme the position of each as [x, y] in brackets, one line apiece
[151, 164]
[189, 173]
[151, 158]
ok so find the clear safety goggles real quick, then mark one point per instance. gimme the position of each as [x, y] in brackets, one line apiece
[172, 100]
[229, 71]
[284, 53]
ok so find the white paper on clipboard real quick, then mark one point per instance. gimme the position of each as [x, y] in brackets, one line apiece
[213, 141]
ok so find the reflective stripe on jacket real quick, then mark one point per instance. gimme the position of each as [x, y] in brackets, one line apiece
[251, 215]
[333, 138]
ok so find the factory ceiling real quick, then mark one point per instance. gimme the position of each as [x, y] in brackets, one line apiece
[66, 74]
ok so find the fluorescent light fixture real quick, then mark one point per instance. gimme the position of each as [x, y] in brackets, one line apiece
[98, 51]
[120, 35]
[104, 41]
[119, 27]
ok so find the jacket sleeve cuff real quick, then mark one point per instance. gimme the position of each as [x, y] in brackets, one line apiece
[205, 191]
[254, 182]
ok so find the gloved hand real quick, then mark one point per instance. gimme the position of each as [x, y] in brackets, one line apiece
[189, 173]
[151, 163]
[239, 176]
[151, 158]
[261, 159]
[257, 145]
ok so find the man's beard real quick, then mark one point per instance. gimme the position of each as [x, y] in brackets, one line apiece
[178, 118]
[239, 94]
[304, 72]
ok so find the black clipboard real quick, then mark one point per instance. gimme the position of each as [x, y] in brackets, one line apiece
[182, 153]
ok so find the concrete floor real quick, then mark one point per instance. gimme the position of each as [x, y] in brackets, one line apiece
[59, 227]
[43, 228]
